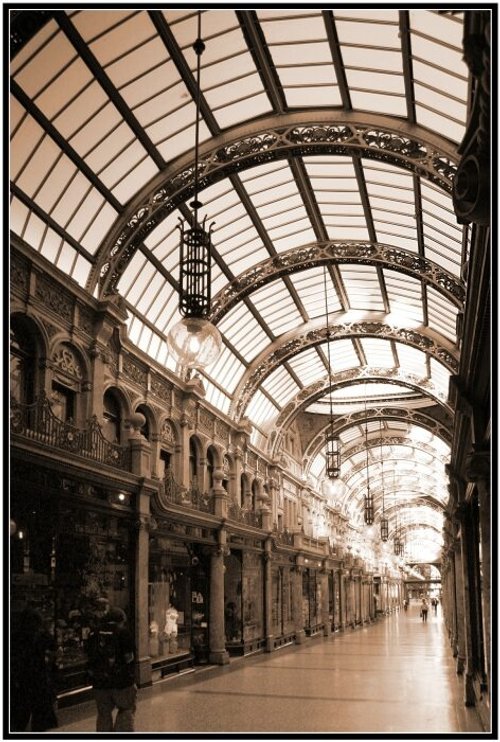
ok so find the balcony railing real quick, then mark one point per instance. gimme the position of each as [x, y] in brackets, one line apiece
[190, 498]
[37, 422]
[242, 515]
[284, 537]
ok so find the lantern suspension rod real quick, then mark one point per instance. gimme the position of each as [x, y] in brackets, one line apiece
[328, 345]
[199, 48]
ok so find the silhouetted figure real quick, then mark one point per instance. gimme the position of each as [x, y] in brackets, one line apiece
[405, 605]
[111, 654]
[32, 693]
[424, 609]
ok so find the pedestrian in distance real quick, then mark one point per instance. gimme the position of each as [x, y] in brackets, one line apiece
[424, 609]
[405, 604]
[111, 655]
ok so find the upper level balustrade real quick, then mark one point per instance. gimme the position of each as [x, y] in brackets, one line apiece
[37, 422]
[172, 492]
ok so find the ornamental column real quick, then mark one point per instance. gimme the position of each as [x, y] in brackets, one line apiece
[463, 513]
[297, 600]
[216, 636]
[325, 601]
[478, 471]
[268, 596]
[342, 598]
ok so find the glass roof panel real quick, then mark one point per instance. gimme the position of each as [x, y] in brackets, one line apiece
[378, 353]
[405, 299]
[216, 396]
[442, 314]
[243, 331]
[308, 366]
[261, 410]
[280, 386]
[276, 307]
[411, 360]
[363, 287]
[118, 40]
[93, 23]
[69, 84]
[308, 283]
[343, 355]
[227, 369]
[45, 65]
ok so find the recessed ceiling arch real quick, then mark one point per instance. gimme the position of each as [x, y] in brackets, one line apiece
[425, 420]
[332, 253]
[315, 333]
[319, 389]
[367, 135]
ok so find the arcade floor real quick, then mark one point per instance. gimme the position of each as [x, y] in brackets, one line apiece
[394, 677]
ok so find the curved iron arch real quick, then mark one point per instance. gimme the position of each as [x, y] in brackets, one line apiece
[334, 253]
[311, 335]
[371, 136]
[441, 429]
[317, 389]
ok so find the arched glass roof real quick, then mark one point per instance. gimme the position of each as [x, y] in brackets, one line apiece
[329, 145]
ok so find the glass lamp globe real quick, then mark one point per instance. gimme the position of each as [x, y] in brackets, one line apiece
[194, 342]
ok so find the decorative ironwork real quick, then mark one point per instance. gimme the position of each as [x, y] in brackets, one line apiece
[384, 523]
[284, 537]
[254, 377]
[38, 423]
[368, 500]
[243, 515]
[274, 143]
[316, 390]
[172, 493]
[319, 253]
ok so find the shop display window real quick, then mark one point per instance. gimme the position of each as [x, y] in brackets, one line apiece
[63, 563]
[233, 604]
[169, 589]
[253, 593]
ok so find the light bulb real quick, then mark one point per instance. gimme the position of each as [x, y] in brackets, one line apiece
[194, 342]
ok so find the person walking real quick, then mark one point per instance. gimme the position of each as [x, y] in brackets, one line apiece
[405, 604]
[32, 693]
[111, 654]
[424, 609]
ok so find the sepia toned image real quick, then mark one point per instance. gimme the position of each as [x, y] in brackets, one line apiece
[250, 413]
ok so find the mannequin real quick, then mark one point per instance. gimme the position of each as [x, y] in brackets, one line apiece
[170, 630]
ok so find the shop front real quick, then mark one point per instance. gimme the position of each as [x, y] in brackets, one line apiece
[311, 601]
[71, 550]
[178, 604]
[243, 601]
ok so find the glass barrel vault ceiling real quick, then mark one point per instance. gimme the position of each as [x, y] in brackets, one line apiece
[374, 102]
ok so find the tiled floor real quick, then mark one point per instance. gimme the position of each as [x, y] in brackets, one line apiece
[396, 676]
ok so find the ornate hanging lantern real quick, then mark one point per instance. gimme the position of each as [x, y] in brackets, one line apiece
[194, 341]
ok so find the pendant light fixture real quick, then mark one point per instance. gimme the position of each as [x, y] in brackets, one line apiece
[194, 341]
[397, 539]
[384, 523]
[368, 496]
[332, 440]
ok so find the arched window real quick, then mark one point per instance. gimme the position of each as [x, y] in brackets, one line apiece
[23, 362]
[112, 417]
[193, 463]
[255, 493]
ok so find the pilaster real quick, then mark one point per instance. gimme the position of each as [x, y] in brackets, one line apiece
[217, 645]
